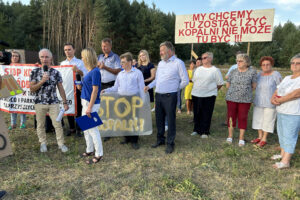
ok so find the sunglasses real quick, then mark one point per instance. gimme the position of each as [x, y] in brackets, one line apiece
[204, 58]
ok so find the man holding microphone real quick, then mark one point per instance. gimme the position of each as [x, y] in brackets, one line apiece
[43, 82]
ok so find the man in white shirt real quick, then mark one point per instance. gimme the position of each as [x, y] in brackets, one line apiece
[171, 76]
[129, 82]
[80, 70]
[109, 65]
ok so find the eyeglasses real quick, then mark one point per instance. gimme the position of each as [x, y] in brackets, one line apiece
[295, 63]
[239, 61]
[204, 58]
[123, 62]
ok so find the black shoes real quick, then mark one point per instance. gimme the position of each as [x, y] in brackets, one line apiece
[157, 144]
[70, 132]
[2, 193]
[169, 149]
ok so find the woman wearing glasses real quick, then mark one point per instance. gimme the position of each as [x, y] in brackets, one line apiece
[264, 112]
[287, 101]
[240, 83]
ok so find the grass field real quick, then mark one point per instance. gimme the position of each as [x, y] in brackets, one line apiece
[198, 169]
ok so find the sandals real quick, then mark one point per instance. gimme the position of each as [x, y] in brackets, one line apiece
[94, 160]
[261, 144]
[255, 141]
[281, 165]
[85, 154]
[276, 157]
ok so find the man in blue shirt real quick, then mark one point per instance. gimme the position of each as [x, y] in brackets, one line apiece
[109, 65]
[171, 76]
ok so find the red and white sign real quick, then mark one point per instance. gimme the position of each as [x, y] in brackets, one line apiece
[24, 103]
[229, 26]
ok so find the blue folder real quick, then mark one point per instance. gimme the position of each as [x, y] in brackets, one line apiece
[86, 122]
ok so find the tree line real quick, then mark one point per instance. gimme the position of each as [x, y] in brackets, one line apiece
[131, 25]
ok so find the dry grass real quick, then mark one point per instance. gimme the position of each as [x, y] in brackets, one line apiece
[198, 169]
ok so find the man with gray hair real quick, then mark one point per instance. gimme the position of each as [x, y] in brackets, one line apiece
[171, 76]
[43, 82]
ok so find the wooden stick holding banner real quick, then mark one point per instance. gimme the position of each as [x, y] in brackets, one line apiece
[248, 49]
[194, 55]
[192, 50]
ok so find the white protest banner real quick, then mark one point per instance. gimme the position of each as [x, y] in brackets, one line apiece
[5, 146]
[229, 26]
[124, 115]
[24, 103]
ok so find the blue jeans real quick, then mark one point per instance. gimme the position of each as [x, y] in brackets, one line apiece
[13, 118]
[179, 102]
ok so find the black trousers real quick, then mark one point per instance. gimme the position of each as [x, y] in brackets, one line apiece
[71, 119]
[165, 106]
[203, 110]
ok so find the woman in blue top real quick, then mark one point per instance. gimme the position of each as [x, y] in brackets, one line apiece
[264, 112]
[90, 100]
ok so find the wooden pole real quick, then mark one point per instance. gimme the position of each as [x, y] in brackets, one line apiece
[248, 49]
[192, 48]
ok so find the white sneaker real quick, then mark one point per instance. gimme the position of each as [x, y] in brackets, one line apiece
[204, 136]
[153, 109]
[276, 157]
[43, 148]
[63, 148]
[241, 143]
[229, 140]
[194, 133]
[166, 128]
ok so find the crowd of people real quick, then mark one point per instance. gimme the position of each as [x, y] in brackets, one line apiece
[107, 73]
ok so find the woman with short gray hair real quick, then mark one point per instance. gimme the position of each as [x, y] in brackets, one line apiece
[240, 83]
[287, 101]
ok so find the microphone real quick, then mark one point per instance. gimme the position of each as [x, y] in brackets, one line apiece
[45, 68]
[78, 77]
[78, 80]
